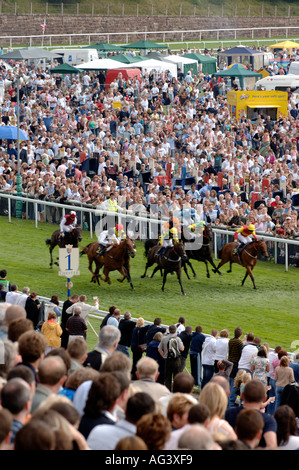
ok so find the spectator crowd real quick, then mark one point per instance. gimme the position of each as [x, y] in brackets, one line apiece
[143, 387]
[126, 146]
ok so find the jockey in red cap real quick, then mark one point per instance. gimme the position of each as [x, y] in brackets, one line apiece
[68, 223]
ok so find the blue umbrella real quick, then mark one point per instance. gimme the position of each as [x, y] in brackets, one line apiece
[11, 132]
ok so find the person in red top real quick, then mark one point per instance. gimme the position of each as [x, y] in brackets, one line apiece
[243, 235]
[68, 223]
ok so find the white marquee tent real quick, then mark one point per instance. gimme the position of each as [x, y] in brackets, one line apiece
[155, 65]
[101, 64]
[184, 63]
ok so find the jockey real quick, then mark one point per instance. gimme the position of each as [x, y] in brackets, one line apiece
[172, 222]
[197, 228]
[68, 223]
[119, 232]
[109, 237]
[166, 240]
[106, 239]
[243, 235]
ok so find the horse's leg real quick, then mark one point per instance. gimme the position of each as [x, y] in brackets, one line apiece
[51, 257]
[157, 268]
[230, 266]
[129, 279]
[93, 279]
[222, 262]
[207, 268]
[193, 272]
[148, 265]
[178, 273]
[164, 279]
[246, 274]
[123, 272]
[249, 271]
[106, 274]
[186, 270]
[215, 269]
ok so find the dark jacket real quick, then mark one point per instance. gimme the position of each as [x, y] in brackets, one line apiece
[139, 336]
[186, 339]
[126, 328]
[32, 310]
[153, 329]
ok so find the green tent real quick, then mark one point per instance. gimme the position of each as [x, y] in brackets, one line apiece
[144, 45]
[208, 64]
[240, 72]
[126, 59]
[65, 69]
[104, 46]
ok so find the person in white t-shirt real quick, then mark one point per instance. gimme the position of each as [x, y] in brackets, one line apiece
[249, 350]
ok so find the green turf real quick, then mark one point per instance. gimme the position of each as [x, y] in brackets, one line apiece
[219, 302]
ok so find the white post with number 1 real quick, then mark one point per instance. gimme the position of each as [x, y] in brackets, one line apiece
[69, 265]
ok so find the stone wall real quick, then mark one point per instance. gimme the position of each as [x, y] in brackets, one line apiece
[25, 25]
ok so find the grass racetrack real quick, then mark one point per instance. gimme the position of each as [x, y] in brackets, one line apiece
[219, 302]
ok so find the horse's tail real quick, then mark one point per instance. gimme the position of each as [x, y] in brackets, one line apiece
[48, 241]
[220, 253]
[84, 250]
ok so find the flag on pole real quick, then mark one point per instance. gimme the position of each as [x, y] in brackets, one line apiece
[43, 26]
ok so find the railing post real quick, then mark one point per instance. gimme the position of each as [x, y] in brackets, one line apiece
[47, 8]
[16, 6]
[286, 254]
[62, 9]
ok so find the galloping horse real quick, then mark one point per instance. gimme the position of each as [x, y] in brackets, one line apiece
[71, 238]
[171, 263]
[204, 253]
[248, 257]
[116, 258]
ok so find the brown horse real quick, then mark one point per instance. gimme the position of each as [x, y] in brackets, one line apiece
[172, 262]
[72, 238]
[116, 258]
[247, 258]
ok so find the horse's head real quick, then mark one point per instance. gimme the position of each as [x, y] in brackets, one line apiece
[130, 246]
[179, 248]
[77, 233]
[208, 233]
[262, 247]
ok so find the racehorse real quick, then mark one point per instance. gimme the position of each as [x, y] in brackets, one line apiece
[171, 262]
[115, 258]
[247, 258]
[71, 238]
[204, 253]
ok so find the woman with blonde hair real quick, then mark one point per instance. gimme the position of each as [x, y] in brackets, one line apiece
[214, 397]
[284, 375]
[52, 331]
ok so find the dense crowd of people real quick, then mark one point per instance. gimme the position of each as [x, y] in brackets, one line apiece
[135, 139]
[134, 390]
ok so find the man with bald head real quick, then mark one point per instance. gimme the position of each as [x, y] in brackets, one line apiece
[9, 313]
[51, 374]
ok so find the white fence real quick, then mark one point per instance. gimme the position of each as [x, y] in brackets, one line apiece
[149, 226]
[167, 37]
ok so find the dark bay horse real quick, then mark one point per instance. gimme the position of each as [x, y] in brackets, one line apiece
[247, 258]
[115, 259]
[203, 253]
[172, 262]
[71, 238]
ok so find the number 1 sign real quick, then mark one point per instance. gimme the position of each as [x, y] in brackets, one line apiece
[69, 264]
